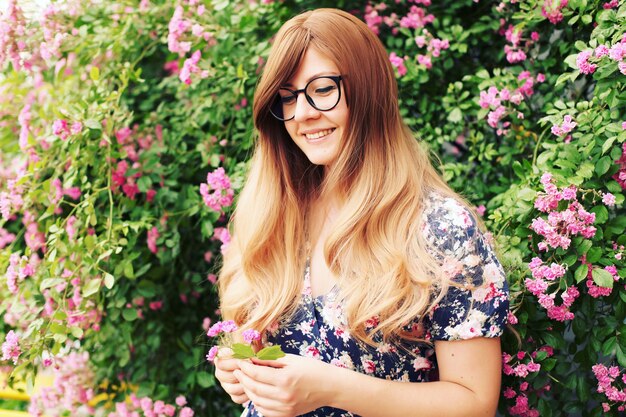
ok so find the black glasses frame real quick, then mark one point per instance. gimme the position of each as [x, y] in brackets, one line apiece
[296, 93]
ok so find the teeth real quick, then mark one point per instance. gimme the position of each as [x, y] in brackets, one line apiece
[319, 134]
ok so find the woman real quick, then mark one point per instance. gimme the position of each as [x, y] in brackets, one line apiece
[350, 251]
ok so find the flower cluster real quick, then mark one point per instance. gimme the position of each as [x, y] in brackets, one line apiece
[19, 268]
[217, 191]
[191, 67]
[494, 99]
[416, 19]
[71, 390]
[561, 225]
[11, 199]
[553, 10]
[59, 192]
[516, 51]
[134, 144]
[146, 407]
[217, 329]
[594, 290]
[521, 365]
[61, 128]
[11, 347]
[398, 63]
[606, 377]
[565, 128]
[587, 61]
[6, 237]
[543, 277]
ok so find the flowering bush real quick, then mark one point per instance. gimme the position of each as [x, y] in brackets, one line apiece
[124, 134]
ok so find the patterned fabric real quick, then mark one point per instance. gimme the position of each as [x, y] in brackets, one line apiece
[476, 306]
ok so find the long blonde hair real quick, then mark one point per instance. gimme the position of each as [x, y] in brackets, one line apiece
[381, 177]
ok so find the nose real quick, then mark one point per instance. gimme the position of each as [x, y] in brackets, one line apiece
[304, 110]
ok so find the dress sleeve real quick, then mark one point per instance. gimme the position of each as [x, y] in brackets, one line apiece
[476, 303]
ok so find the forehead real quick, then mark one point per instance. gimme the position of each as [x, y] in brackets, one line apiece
[313, 64]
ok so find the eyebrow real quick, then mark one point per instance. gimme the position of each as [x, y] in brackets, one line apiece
[319, 74]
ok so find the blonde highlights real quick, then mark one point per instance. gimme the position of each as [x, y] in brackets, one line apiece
[381, 177]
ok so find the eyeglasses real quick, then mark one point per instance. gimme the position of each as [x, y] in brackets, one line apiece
[323, 93]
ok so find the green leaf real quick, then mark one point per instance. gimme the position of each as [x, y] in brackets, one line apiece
[603, 165]
[50, 282]
[584, 247]
[527, 194]
[270, 353]
[92, 287]
[456, 115]
[242, 351]
[607, 144]
[594, 254]
[93, 124]
[129, 272]
[602, 214]
[147, 288]
[129, 314]
[94, 73]
[581, 273]
[109, 280]
[602, 278]
[205, 379]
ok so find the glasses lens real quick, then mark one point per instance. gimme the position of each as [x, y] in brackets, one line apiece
[324, 93]
[284, 106]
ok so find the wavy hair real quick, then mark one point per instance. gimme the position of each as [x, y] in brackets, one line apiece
[380, 177]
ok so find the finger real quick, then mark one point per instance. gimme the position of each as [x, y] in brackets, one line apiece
[263, 374]
[256, 388]
[227, 377]
[227, 364]
[233, 389]
[270, 363]
[265, 404]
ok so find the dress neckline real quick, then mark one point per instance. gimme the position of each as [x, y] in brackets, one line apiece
[307, 283]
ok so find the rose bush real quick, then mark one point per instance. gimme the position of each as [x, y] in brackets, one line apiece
[125, 128]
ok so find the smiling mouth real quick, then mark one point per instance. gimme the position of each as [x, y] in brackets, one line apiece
[319, 135]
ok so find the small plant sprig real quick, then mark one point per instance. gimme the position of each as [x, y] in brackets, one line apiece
[240, 350]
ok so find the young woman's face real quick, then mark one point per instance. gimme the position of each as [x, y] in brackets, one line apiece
[317, 133]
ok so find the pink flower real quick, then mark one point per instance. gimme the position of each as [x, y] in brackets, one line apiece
[608, 199]
[251, 335]
[551, 9]
[583, 64]
[222, 234]
[600, 51]
[181, 401]
[11, 348]
[60, 129]
[153, 235]
[76, 128]
[228, 326]
[425, 61]
[186, 412]
[397, 62]
[217, 192]
[212, 354]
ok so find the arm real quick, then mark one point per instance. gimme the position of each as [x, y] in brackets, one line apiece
[469, 385]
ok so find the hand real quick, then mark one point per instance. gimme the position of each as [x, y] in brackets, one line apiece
[224, 367]
[287, 387]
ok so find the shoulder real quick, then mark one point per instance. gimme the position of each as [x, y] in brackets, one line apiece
[447, 223]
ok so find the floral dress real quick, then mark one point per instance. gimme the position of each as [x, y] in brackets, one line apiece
[476, 307]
